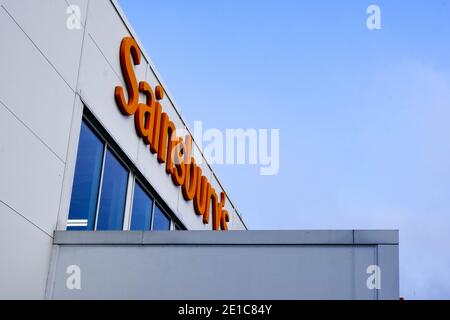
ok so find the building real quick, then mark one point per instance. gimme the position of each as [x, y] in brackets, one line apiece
[85, 138]
[58, 103]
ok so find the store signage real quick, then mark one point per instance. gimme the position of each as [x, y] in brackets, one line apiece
[159, 133]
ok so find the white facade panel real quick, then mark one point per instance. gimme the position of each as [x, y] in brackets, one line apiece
[31, 174]
[32, 89]
[25, 254]
[45, 23]
[97, 83]
[107, 29]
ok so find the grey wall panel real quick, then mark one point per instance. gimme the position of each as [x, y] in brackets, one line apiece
[389, 266]
[32, 89]
[380, 237]
[218, 265]
[31, 175]
[25, 255]
[363, 257]
[232, 237]
[45, 23]
[216, 272]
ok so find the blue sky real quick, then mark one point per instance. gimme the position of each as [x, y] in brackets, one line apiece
[363, 115]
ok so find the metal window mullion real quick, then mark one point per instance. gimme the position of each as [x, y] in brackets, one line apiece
[105, 149]
[152, 214]
[129, 201]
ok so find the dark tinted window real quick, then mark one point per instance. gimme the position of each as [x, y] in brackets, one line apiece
[142, 209]
[83, 204]
[113, 194]
[160, 220]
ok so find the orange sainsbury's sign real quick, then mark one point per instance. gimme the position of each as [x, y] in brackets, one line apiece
[159, 133]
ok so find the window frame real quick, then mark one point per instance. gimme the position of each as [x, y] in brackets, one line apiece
[107, 146]
[99, 187]
[102, 174]
[136, 181]
[171, 221]
[134, 176]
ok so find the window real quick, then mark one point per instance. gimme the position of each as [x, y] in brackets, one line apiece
[160, 220]
[100, 198]
[113, 194]
[98, 175]
[83, 205]
[142, 209]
